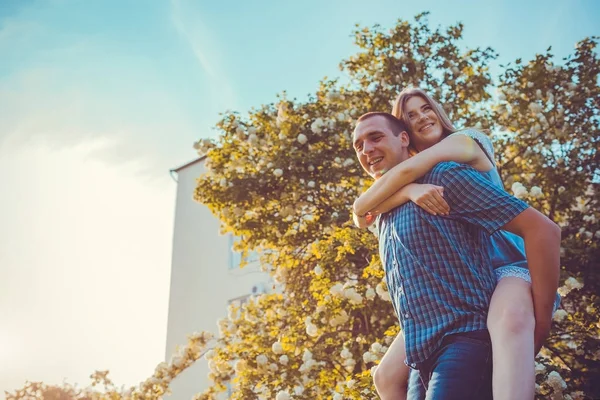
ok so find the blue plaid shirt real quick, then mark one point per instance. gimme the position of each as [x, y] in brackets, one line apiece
[438, 268]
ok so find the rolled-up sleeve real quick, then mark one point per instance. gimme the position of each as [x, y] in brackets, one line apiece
[476, 200]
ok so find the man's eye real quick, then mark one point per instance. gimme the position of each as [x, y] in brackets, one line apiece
[411, 116]
[358, 148]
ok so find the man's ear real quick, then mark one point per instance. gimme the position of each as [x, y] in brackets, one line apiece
[405, 138]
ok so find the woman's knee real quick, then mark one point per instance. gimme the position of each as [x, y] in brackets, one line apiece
[386, 376]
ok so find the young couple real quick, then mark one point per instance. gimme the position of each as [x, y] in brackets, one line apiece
[460, 282]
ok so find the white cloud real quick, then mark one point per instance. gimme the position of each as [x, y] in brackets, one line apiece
[85, 250]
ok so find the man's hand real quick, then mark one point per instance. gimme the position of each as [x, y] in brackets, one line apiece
[541, 333]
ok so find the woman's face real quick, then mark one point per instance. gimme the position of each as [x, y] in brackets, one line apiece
[424, 124]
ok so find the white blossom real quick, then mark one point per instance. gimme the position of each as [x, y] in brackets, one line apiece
[261, 359]
[340, 319]
[284, 359]
[369, 357]
[311, 184]
[336, 289]
[573, 283]
[278, 172]
[519, 190]
[283, 395]
[559, 315]
[277, 348]
[556, 381]
[377, 347]
[539, 368]
[298, 390]
[302, 139]
[536, 192]
[383, 294]
[535, 108]
[333, 95]
[348, 162]
[346, 353]
[352, 295]
[370, 293]
[317, 126]
[312, 330]
[318, 270]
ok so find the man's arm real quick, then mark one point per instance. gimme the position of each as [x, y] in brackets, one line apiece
[542, 247]
[476, 200]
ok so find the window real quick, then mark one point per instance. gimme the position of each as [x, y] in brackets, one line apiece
[235, 257]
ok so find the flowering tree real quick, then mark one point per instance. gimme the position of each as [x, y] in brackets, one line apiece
[283, 178]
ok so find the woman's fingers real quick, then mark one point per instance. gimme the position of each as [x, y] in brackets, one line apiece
[441, 204]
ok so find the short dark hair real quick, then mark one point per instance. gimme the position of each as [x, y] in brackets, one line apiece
[394, 123]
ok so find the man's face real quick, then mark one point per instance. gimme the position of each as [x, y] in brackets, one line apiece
[376, 146]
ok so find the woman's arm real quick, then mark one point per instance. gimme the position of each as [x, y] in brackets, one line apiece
[457, 147]
[428, 197]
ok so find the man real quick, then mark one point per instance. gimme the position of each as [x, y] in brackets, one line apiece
[438, 269]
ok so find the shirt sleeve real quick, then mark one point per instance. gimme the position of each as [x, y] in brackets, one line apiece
[476, 200]
[482, 140]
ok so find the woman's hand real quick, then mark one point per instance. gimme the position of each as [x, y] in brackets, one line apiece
[363, 221]
[429, 197]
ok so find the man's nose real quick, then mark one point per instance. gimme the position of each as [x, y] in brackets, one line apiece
[367, 148]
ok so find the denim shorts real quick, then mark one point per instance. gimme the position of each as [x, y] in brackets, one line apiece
[461, 368]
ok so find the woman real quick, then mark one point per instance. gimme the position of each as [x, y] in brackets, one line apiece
[511, 319]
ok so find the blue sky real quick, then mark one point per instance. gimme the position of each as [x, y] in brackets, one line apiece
[100, 98]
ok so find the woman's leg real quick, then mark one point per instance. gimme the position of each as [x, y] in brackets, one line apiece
[391, 375]
[511, 322]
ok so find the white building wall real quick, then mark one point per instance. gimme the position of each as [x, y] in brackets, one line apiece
[203, 280]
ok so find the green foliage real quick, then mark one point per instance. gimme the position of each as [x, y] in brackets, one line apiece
[284, 176]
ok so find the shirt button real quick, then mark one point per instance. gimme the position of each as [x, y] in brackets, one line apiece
[413, 365]
[394, 262]
[406, 315]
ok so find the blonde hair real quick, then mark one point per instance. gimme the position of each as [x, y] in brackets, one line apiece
[406, 94]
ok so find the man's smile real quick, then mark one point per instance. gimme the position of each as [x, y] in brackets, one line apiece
[375, 161]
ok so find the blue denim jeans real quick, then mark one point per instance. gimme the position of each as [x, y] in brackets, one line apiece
[460, 369]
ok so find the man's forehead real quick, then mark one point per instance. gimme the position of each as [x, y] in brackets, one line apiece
[374, 124]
